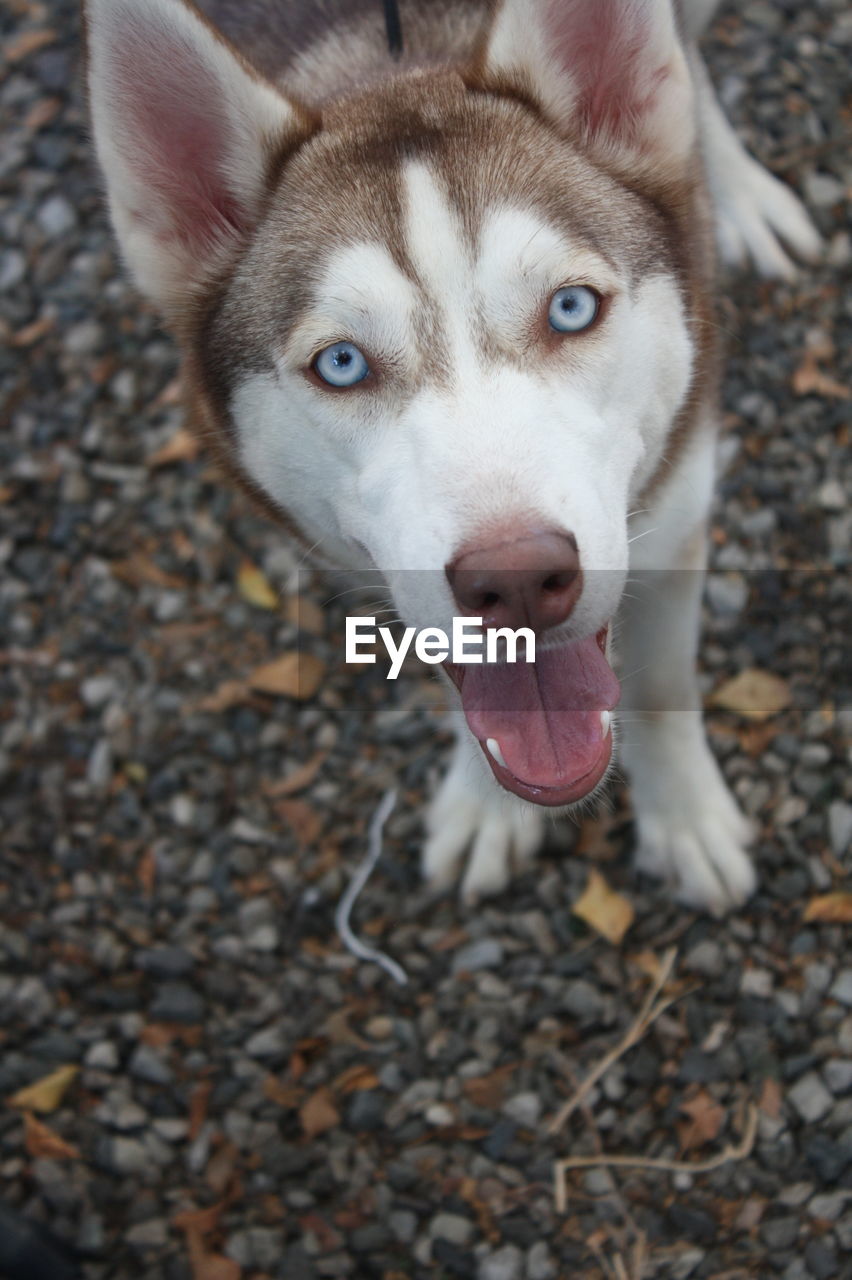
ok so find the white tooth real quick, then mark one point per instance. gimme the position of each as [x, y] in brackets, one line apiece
[494, 747]
[606, 721]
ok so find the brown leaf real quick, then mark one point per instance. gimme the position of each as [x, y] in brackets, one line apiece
[182, 447]
[603, 909]
[28, 42]
[32, 333]
[705, 1120]
[287, 1096]
[753, 694]
[230, 693]
[212, 1266]
[306, 615]
[198, 1101]
[146, 871]
[305, 821]
[830, 908]
[771, 1097]
[41, 113]
[200, 1222]
[47, 1093]
[293, 675]
[254, 586]
[809, 379]
[488, 1091]
[139, 570]
[43, 1143]
[354, 1078]
[301, 777]
[221, 1167]
[318, 1114]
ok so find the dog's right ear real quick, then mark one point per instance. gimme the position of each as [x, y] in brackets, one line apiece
[186, 133]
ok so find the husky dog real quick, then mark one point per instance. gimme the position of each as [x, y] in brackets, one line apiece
[451, 312]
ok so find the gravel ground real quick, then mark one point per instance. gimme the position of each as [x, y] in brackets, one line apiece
[174, 845]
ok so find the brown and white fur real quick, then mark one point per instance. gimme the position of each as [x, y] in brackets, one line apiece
[279, 183]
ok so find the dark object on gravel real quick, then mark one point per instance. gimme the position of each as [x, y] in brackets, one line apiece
[29, 1251]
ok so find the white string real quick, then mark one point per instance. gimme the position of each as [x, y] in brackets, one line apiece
[356, 884]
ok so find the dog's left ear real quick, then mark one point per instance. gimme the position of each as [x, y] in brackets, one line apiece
[611, 73]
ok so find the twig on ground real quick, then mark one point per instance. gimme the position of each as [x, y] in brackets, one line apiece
[648, 1014]
[731, 1152]
[362, 875]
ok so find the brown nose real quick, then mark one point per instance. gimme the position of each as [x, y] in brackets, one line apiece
[530, 581]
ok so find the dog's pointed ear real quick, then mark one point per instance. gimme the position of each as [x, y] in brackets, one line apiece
[611, 73]
[186, 133]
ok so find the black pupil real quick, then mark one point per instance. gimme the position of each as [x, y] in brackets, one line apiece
[569, 302]
[342, 358]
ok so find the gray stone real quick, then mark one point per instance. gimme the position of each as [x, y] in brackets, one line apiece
[453, 1227]
[177, 1002]
[97, 690]
[127, 1156]
[506, 1264]
[13, 268]
[582, 1000]
[780, 1233]
[525, 1108]
[403, 1224]
[102, 1056]
[839, 826]
[829, 1204]
[838, 1074]
[484, 953]
[269, 1042]
[166, 962]
[705, 958]
[56, 216]
[540, 1263]
[810, 1098]
[727, 593]
[147, 1064]
[148, 1235]
[841, 988]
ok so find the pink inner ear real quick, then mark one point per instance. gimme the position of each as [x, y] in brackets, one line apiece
[604, 45]
[176, 136]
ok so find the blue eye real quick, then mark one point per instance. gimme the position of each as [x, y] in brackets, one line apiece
[341, 365]
[573, 308]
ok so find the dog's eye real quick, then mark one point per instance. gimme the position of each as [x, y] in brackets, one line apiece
[573, 308]
[341, 365]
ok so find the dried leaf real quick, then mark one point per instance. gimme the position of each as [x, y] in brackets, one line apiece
[771, 1098]
[705, 1120]
[809, 379]
[230, 693]
[198, 1102]
[753, 694]
[32, 333]
[43, 1144]
[318, 1114]
[146, 871]
[488, 1091]
[27, 42]
[47, 1093]
[182, 447]
[138, 570]
[305, 822]
[301, 777]
[253, 585]
[306, 615]
[603, 909]
[355, 1078]
[200, 1221]
[212, 1266]
[294, 675]
[221, 1167]
[830, 908]
[287, 1096]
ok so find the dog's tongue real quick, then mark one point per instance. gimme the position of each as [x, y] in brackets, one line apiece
[545, 715]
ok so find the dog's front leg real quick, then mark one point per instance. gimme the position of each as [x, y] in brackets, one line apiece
[690, 832]
[472, 817]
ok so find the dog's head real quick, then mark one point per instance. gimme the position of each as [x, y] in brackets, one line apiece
[446, 323]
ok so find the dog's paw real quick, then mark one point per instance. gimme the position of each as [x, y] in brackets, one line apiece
[476, 831]
[691, 833]
[701, 855]
[758, 218]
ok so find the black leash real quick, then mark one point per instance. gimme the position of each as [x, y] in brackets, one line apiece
[393, 27]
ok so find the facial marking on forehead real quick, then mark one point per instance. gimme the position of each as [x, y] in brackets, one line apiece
[441, 257]
[362, 295]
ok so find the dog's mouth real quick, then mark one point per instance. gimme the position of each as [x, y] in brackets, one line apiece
[544, 726]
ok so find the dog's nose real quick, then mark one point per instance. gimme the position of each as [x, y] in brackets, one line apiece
[533, 580]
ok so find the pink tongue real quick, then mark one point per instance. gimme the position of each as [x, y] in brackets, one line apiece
[546, 715]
